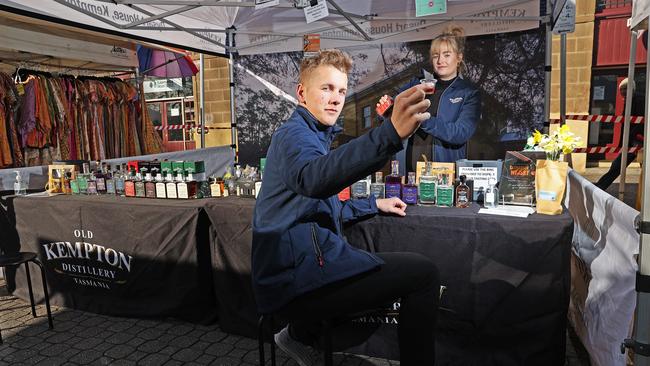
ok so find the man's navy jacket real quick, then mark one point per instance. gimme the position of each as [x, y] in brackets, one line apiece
[458, 115]
[298, 242]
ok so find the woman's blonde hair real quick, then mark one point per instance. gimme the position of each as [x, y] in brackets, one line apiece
[454, 37]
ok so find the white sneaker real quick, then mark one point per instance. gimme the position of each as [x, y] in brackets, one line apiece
[303, 354]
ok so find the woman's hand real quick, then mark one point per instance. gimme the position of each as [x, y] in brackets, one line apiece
[392, 205]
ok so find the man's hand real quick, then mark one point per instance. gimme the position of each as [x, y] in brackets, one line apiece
[410, 109]
[392, 205]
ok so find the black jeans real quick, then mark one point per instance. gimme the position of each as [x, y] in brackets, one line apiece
[614, 171]
[410, 277]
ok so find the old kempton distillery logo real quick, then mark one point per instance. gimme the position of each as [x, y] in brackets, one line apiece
[87, 263]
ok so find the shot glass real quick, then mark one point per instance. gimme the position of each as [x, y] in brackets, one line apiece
[429, 81]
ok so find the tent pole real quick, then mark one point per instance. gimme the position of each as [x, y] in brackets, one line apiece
[139, 80]
[202, 94]
[231, 74]
[562, 78]
[628, 112]
[642, 311]
[548, 66]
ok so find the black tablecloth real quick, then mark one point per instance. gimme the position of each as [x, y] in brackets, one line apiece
[507, 279]
[120, 256]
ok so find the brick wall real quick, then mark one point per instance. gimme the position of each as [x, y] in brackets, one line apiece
[217, 100]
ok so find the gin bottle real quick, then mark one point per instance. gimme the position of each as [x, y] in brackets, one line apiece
[170, 186]
[410, 190]
[149, 186]
[181, 186]
[427, 187]
[139, 184]
[119, 180]
[361, 189]
[377, 189]
[161, 189]
[129, 184]
[394, 181]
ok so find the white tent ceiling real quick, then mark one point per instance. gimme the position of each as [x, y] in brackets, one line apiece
[201, 25]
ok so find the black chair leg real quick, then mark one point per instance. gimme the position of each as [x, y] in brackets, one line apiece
[45, 294]
[29, 286]
[260, 340]
[327, 343]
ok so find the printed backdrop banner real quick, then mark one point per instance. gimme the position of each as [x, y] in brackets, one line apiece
[507, 69]
[117, 256]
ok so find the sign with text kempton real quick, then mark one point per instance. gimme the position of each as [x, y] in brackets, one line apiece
[115, 256]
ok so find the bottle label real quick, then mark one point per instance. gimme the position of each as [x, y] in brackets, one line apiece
[427, 192]
[92, 187]
[119, 185]
[377, 190]
[101, 184]
[150, 190]
[360, 190]
[445, 196]
[393, 190]
[129, 189]
[160, 190]
[74, 186]
[110, 186]
[139, 189]
[182, 190]
[171, 190]
[215, 190]
[410, 195]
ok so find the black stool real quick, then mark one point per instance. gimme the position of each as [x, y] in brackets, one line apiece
[26, 257]
[268, 319]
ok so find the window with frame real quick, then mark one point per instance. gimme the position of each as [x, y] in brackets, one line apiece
[367, 117]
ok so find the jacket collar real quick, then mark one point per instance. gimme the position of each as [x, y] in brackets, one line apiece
[321, 130]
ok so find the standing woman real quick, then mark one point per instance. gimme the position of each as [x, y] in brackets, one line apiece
[455, 107]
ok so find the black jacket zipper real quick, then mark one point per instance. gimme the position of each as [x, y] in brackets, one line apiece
[314, 240]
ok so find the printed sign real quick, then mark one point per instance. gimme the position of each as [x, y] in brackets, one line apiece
[86, 262]
[316, 12]
[162, 85]
[480, 175]
[261, 4]
[564, 16]
[599, 92]
[430, 7]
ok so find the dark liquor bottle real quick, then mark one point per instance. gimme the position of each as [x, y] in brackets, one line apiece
[462, 193]
[410, 190]
[100, 178]
[149, 186]
[394, 181]
[192, 185]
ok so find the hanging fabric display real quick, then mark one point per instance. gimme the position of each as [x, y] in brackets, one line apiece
[47, 118]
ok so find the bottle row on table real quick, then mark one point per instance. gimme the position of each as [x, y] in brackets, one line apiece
[435, 187]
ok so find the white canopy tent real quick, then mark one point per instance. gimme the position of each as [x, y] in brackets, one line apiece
[202, 25]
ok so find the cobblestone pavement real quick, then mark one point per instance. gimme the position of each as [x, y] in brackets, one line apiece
[81, 338]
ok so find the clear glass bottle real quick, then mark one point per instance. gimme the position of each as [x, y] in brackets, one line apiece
[82, 179]
[394, 181]
[444, 190]
[149, 186]
[119, 178]
[427, 187]
[410, 190]
[20, 188]
[361, 189]
[181, 186]
[139, 184]
[100, 177]
[491, 197]
[462, 193]
[377, 188]
[110, 181]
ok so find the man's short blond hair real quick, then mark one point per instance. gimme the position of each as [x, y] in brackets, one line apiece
[335, 58]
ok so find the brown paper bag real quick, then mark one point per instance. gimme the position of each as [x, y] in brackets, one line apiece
[550, 184]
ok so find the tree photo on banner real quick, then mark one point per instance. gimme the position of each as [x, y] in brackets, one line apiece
[507, 68]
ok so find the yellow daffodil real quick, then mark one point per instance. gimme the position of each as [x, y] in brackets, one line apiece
[537, 137]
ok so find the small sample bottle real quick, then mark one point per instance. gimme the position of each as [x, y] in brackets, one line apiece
[377, 188]
[410, 190]
[491, 197]
[462, 193]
